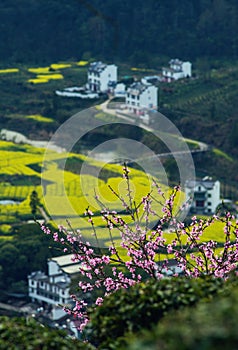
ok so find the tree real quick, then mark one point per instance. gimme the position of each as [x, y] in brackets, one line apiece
[34, 202]
[27, 334]
[151, 252]
[131, 311]
[208, 326]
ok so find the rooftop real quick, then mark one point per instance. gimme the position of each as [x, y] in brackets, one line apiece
[64, 260]
[137, 88]
[97, 67]
[38, 275]
[70, 270]
[66, 264]
[206, 182]
[175, 61]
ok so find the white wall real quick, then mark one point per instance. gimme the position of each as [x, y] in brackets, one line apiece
[120, 90]
[187, 69]
[149, 98]
[53, 268]
[215, 196]
[101, 80]
[178, 75]
[108, 74]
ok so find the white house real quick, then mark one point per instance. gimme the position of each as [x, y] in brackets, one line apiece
[204, 195]
[141, 97]
[52, 290]
[177, 70]
[117, 89]
[99, 75]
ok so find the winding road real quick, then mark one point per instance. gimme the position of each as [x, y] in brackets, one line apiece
[125, 115]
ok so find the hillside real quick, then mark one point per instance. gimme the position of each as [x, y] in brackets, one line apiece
[203, 108]
[39, 31]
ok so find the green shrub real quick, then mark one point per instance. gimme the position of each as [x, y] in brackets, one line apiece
[208, 326]
[20, 334]
[142, 306]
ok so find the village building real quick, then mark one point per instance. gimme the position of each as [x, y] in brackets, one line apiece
[53, 289]
[203, 195]
[141, 98]
[99, 76]
[177, 70]
[117, 89]
[151, 79]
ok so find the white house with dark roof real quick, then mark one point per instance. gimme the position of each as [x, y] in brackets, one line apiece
[99, 75]
[177, 70]
[204, 195]
[53, 289]
[141, 97]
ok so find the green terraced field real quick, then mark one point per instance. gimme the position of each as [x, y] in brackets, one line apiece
[66, 194]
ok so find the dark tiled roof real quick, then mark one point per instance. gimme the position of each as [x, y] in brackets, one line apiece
[137, 88]
[97, 67]
[208, 184]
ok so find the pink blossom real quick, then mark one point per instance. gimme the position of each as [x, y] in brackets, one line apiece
[111, 271]
[99, 301]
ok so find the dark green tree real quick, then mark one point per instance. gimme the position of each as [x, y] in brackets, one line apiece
[27, 334]
[34, 202]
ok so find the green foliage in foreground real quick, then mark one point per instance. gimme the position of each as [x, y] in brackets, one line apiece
[129, 311]
[20, 334]
[173, 314]
[208, 326]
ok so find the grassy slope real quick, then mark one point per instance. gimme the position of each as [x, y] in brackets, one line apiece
[71, 205]
[18, 166]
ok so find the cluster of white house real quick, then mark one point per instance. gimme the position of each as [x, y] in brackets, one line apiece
[53, 289]
[140, 96]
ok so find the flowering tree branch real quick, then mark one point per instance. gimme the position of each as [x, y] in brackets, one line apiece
[148, 251]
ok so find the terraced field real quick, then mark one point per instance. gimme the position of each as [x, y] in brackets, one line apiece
[64, 194]
[213, 97]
